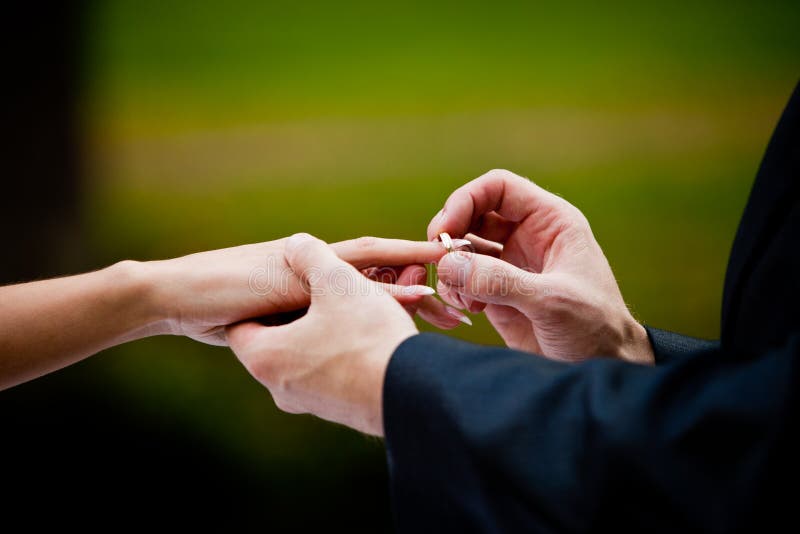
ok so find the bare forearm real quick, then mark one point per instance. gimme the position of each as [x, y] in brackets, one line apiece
[50, 324]
[47, 325]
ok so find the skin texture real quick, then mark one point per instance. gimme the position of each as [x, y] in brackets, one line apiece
[537, 271]
[316, 364]
[47, 325]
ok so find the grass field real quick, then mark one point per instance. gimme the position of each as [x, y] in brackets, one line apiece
[210, 125]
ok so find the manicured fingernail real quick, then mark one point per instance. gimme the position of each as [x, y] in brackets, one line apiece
[458, 243]
[417, 290]
[458, 315]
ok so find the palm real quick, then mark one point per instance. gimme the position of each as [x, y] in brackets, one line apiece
[564, 252]
[513, 326]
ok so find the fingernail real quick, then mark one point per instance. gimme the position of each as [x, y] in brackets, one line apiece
[458, 243]
[458, 315]
[417, 290]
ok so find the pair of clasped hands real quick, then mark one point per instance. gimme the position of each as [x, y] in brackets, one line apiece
[533, 266]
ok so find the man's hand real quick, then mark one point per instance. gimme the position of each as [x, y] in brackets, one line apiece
[332, 361]
[538, 272]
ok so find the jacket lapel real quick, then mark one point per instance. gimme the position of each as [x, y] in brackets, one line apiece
[774, 191]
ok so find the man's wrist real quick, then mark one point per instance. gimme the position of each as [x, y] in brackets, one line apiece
[637, 347]
[373, 421]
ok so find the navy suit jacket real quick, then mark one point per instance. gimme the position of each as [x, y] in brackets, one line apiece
[494, 440]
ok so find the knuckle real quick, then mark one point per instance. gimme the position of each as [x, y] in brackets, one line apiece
[570, 212]
[560, 303]
[365, 242]
[265, 370]
[301, 235]
[498, 281]
[507, 175]
[282, 403]
[500, 173]
[526, 285]
[279, 385]
[557, 301]
[570, 217]
[300, 243]
[284, 400]
[577, 216]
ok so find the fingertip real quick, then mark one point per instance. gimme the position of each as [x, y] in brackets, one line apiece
[458, 316]
[435, 312]
[454, 267]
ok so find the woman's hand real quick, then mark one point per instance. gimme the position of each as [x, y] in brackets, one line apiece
[538, 272]
[49, 324]
[201, 293]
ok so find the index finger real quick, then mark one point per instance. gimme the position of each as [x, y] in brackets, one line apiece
[379, 252]
[511, 196]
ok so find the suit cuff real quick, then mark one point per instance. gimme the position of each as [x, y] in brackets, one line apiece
[412, 391]
[669, 346]
[420, 434]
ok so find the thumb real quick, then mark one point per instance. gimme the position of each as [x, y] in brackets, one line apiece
[317, 265]
[489, 279]
[264, 350]
[243, 335]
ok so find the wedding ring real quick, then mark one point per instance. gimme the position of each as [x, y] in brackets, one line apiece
[447, 241]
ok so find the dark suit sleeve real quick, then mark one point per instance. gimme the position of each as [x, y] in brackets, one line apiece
[669, 346]
[490, 439]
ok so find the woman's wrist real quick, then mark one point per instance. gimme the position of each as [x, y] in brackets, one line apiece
[138, 286]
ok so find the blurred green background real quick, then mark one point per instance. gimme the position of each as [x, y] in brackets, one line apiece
[211, 124]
